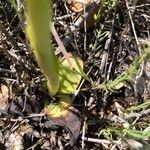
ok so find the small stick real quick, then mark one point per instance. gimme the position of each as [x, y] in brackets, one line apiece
[132, 25]
[85, 29]
[101, 141]
[60, 44]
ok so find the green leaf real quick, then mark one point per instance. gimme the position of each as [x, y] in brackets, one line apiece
[146, 131]
[59, 109]
[135, 133]
[70, 76]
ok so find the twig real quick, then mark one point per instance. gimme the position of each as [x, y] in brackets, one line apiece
[123, 118]
[133, 28]
[83, 133]
[137, 115]
[40, 141]
[60, 44]
[139, 6]
[20, 119]
[85, 29]
[102, 141]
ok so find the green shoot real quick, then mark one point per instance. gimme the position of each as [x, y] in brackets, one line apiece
[37, 30]
[60, 80]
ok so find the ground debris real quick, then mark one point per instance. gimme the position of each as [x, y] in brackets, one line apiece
[113, 117]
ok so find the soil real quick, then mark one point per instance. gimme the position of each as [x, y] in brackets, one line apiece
[108, 40]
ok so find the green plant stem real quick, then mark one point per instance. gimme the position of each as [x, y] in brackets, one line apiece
[131, 71]
[38, 18]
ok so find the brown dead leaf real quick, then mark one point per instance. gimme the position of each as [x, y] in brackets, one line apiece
[71, 122]
[77, 5]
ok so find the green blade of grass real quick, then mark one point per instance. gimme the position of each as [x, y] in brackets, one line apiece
[145, 104]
